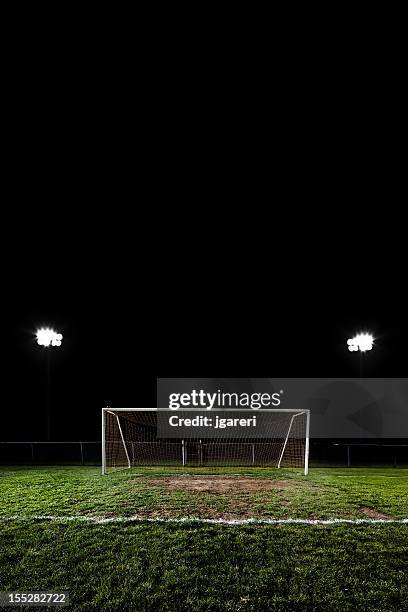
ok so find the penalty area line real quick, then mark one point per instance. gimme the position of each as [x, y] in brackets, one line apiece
[100, 520]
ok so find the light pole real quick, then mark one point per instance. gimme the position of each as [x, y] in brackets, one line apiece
[47, 338]
[361, 342]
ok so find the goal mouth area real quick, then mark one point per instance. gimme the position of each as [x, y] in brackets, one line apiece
[221, 483]
[204, 438]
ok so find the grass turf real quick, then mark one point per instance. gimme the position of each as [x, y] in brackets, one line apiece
[152, 566]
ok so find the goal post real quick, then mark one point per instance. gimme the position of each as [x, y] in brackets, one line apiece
[273, 437]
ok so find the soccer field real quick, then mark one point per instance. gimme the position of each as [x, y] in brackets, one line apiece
[152, 539]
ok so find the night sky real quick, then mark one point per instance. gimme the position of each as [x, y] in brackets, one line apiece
[119, 338]
[178, 247]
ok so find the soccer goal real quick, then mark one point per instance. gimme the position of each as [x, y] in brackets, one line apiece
[136, 437]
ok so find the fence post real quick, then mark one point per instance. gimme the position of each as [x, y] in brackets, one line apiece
[82, 454]
[348, 456]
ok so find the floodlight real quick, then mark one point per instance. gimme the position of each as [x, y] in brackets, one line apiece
[361, 342]
[48, 337]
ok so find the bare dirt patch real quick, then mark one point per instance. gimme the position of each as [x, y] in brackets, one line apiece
[371, 513]
[221, 484]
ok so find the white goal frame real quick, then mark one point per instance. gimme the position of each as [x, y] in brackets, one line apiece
[295, 412]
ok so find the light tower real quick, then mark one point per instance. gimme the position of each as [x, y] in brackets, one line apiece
[362, 342]
[47, 338]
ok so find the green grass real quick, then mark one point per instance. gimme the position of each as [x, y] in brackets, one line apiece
[325, 493]
[199, 567]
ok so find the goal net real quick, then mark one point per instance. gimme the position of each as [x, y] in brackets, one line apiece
[134, 437]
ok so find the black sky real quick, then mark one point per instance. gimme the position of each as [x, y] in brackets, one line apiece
[118, 338]
[190, 238]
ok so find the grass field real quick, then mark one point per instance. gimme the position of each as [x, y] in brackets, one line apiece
[143, 565]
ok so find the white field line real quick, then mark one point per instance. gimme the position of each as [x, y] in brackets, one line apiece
[100, 520]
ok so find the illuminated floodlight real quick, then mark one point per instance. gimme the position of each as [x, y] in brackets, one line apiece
[48, 337]
[361, 342]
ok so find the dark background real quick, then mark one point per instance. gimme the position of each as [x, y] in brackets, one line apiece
[122, 331]
[194, 222]
[187, 214]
